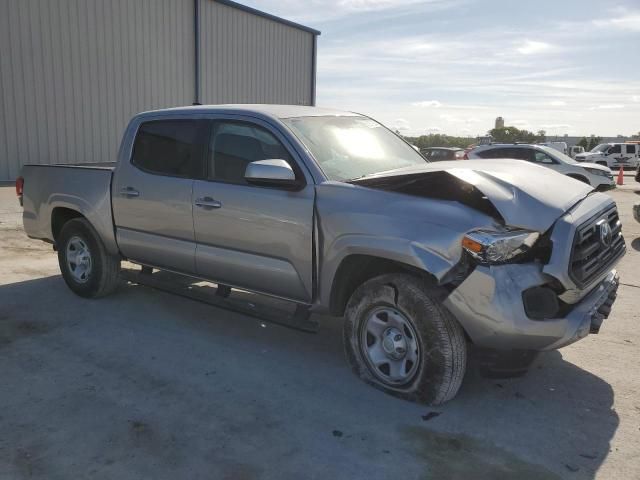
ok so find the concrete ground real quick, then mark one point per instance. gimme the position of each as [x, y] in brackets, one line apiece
[144, 384]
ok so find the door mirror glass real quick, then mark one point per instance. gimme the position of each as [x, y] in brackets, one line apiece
[271, 173]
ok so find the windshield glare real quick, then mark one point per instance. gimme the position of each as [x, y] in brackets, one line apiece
[351, 147]
[600, 148]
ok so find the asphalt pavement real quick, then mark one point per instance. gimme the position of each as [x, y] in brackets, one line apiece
[144, 384]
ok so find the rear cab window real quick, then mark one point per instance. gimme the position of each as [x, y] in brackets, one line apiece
[170, 147]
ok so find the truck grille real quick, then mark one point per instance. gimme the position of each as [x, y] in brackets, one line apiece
[598, 243]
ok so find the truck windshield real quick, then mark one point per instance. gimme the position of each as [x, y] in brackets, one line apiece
[351, 147]
[603, 147]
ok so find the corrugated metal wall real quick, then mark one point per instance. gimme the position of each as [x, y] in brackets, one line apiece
[247, 58]
[73, 72]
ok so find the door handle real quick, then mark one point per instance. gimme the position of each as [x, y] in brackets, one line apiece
[129, 192]
[208, 203]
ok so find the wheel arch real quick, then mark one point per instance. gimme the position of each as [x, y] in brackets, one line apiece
[60, 216]
[355, 269]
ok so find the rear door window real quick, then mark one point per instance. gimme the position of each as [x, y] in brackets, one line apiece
[494, 153]
[170, 148]
[542, 157]
[631, 149]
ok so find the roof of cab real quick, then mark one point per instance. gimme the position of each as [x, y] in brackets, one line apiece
[274, 111]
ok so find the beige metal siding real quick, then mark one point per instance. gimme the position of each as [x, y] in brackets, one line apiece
[246, 58]
[73, 72]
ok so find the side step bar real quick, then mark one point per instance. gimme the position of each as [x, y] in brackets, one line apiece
[220, 297]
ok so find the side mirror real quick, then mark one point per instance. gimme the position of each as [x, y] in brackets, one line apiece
[271, 173]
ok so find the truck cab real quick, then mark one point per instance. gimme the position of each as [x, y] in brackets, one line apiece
[613, 155]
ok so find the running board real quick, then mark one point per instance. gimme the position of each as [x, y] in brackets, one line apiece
[221, 297]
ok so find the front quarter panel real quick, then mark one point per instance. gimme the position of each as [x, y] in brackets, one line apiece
[420, 232]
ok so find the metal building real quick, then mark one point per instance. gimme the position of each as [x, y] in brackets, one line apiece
[73, 72]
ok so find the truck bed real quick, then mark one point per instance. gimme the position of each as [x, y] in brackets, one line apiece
[84, 188]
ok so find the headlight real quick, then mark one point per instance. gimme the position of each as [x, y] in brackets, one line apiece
[489, 246]
[595, 171]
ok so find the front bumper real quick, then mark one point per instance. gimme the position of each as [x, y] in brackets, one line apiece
[488, 304]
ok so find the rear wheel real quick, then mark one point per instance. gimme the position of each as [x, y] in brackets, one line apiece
[399, 338]
[86, 266]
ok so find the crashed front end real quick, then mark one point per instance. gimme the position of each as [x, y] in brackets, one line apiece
[545, 276]
[549, 302]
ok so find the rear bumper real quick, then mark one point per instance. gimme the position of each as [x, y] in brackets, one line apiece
[489, 306]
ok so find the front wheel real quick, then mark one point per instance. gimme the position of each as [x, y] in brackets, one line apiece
[401, 339]
[86, 266]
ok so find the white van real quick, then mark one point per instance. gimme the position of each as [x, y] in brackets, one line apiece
[559, 146]
[575, 150]
[613, 155]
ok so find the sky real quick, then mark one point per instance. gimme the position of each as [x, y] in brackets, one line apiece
[452, 66]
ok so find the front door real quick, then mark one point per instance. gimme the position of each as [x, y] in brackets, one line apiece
[257, 238]
[152, 202]
[617, 157]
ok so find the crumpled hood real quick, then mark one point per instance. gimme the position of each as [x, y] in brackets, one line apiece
[526, 195]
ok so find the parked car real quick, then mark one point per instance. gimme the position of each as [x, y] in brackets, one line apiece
[559, 146]
[575, 150]
[613, 155]
[438, 154]
[598, 176]
[334, 212]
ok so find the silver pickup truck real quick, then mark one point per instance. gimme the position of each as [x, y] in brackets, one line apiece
[336, 213]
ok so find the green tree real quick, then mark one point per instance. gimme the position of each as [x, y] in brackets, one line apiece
[439, 140]
[594, 142]
[513, 135]
[584, 143]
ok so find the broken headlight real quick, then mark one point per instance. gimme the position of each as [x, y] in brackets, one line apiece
[491, 246]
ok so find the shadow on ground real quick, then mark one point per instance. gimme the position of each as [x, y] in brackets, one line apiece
[144, 384]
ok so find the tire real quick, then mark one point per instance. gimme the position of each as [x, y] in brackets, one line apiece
[101, 269]
[412, 306]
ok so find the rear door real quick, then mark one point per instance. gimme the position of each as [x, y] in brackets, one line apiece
[151, 193]
[631, 151]
[257, 238]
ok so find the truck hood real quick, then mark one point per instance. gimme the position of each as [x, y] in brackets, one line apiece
[525, 195]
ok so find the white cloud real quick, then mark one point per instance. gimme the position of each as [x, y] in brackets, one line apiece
[636, 98]
[608, 106]
[558, 103]
[428, 104]
[433, 129]
[401, 124]
[628, 21]
[530, 47]
[556, 126]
